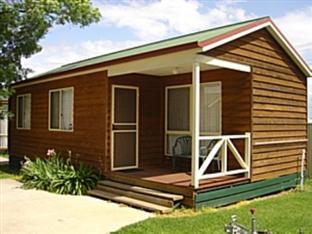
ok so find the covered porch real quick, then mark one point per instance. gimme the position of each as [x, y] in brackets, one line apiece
[184, 95]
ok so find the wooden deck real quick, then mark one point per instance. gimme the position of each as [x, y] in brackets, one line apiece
[164, 179]
[165, 176]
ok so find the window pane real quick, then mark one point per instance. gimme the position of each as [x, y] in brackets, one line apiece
[27, 108]
[54, 109]
[179, 109]
[20, 112]
[67, 109]
[210, 108]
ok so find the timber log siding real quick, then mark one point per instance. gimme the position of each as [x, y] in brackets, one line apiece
[279, 109]
[87, 141]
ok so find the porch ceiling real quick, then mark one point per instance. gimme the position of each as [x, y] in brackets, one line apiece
[169, 64]
[174, 63]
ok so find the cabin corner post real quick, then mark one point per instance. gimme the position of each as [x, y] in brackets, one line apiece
[195, 123]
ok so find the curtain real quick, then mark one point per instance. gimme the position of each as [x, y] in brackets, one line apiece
[67, 109]
[54, 110]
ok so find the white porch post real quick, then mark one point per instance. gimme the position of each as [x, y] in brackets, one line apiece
[195, 123]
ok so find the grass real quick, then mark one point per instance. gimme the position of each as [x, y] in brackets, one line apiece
[287, 212]
[4, 155]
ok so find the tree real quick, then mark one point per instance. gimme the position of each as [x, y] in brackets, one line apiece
[24, 22]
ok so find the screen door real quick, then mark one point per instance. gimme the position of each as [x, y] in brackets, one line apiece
[125, 127]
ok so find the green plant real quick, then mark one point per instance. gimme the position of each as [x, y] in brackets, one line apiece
[56, 175]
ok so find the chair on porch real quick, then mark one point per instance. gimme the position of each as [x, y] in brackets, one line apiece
[182, 148]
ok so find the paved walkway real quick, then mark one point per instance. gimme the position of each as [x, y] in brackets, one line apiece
[33, 211]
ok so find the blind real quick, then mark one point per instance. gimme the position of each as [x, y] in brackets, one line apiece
[20, 112]
[23, 111]
[178, 107]
[55, 110]
[27, 111]
[210, 108]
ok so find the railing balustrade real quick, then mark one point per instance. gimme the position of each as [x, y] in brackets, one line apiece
[221, 149]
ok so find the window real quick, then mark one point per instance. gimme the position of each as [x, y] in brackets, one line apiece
[61, 109]
[178, 112]
[23, 107]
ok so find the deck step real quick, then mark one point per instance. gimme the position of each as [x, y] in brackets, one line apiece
[130, 201]
[145, 198]
[136, 195]
[128, 187]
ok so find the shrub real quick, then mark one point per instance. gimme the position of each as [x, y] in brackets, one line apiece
[55, 175]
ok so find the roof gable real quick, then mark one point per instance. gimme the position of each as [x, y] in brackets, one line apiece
[207, 40]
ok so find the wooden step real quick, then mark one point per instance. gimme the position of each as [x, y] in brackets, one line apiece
[137, 189]
[130, 201]
[140, 196]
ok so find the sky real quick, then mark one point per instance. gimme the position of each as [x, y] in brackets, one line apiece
[130, 23]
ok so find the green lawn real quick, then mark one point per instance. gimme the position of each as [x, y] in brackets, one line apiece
[284, 213]
[4, 155]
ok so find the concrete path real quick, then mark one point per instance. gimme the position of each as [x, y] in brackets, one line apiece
[34, 211]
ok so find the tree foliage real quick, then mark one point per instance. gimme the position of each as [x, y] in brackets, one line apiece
[24, 22]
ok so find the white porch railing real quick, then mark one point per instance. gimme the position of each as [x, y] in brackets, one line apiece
[225, 144]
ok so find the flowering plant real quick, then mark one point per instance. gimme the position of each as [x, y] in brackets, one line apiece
[51, 152]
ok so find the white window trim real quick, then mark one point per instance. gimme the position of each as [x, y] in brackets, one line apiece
[49, 112]
[172, 132]
[17, 112]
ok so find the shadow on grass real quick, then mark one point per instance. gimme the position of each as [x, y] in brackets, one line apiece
[6, 172]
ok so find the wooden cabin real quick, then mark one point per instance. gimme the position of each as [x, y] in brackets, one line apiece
[227, 106]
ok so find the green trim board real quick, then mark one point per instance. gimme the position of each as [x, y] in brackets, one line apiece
[237, 193]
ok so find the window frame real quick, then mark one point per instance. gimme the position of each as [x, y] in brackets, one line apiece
[60, 112]
[188, 133]
[17, 111]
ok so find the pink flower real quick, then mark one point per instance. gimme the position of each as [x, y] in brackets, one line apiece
[51, 152]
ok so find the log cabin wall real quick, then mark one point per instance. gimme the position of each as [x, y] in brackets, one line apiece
[279, 110]
[87, 141]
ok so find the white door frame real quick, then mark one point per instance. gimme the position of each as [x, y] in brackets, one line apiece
[136, 124]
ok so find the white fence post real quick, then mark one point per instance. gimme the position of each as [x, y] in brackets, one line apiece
[195, 123]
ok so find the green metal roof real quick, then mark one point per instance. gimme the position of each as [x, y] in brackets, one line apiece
[154, 46]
